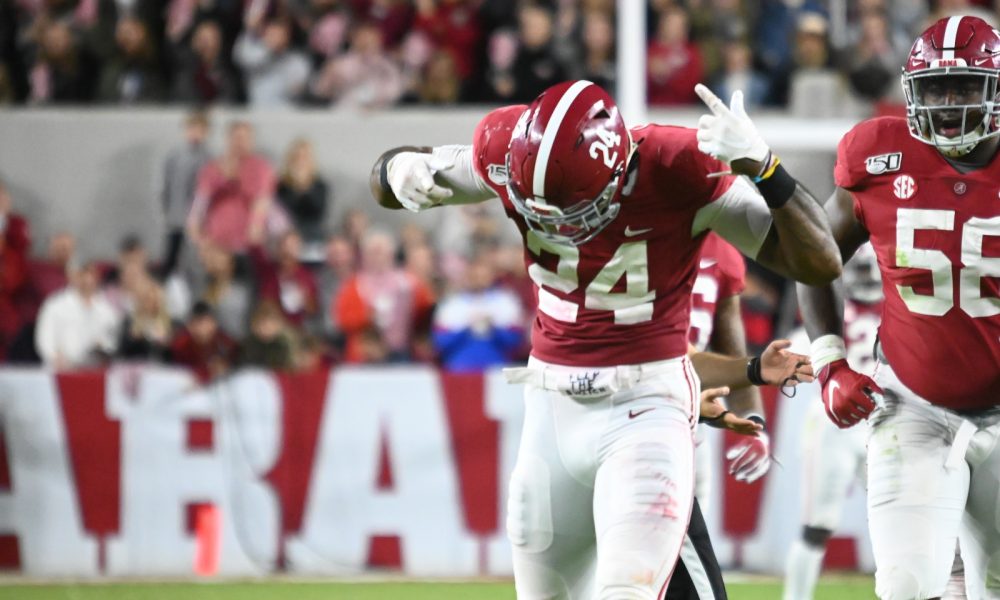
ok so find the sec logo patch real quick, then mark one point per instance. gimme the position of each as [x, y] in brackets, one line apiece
[904, 187]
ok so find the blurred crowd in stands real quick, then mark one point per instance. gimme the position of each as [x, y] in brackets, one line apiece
[249, 276]
[251, 272]
[376, 53]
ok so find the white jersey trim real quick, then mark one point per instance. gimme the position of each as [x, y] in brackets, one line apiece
[739, 215]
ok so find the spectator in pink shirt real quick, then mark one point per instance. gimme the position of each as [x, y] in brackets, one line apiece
[229, 190]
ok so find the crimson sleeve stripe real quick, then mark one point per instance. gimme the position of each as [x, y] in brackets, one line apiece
[549, 137]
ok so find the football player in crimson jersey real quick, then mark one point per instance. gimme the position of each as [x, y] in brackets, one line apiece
[924, 190]
[717, 323]
[833, 459]
[613, 220]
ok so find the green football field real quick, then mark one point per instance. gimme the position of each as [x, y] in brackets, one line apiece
[840, 588]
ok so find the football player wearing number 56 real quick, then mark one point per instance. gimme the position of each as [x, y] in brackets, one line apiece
[924, 190]
[613, 220]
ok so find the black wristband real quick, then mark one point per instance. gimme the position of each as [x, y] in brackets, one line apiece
[383, 173]
[777, 189]
[754, 372]
[757, 419]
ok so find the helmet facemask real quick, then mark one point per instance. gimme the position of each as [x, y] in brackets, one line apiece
[572, 226]
[952, 108]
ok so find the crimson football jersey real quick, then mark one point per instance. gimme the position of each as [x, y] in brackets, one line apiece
[936, 233]
[624, 296]
[861, 323]
[721, 274]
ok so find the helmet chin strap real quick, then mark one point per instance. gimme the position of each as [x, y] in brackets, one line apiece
[948, 147]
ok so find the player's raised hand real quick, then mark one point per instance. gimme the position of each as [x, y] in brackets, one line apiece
[729, 135]
[848, 396]
[714, 414]
[782, 368]
[411, 178]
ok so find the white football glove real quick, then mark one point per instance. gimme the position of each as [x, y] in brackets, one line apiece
[411, 178]
[728, 134]
[751, 458]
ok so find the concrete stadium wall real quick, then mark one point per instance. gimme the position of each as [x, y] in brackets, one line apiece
[95, 172]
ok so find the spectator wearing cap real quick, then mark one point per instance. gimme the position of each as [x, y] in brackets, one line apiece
[179, 178]
[201, 346]
[77, 327]
[674, 66]
[479, 326]
[231, 188]
[276, 74]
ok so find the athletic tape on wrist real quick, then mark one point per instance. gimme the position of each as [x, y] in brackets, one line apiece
[826, 349]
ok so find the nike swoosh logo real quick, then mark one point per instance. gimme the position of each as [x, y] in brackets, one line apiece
[830, 389]
[633, 413]
[629, 232]
[979, 61]
[706, 263]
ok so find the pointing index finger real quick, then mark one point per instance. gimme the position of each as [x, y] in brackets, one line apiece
[713, 102]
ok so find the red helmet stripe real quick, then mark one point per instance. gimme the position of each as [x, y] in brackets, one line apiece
[549, 136]
[950, 34]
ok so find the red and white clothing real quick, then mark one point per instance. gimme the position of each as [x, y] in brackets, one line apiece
[609, 386]
[932, 471]
[624, 297]
[936, 232]
[721, 274]
[222, 205]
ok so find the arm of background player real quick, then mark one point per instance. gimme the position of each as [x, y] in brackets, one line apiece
[728, 337]
[822, 306]
[461, 178]
[778, 365]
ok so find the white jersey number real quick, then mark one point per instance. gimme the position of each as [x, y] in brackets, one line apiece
[976, 266]
[634, 305]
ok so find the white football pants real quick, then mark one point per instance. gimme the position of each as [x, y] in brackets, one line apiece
[602, 490]
[933, 476]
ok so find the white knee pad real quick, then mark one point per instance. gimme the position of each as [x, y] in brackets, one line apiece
[529, 506]
[899, 583]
